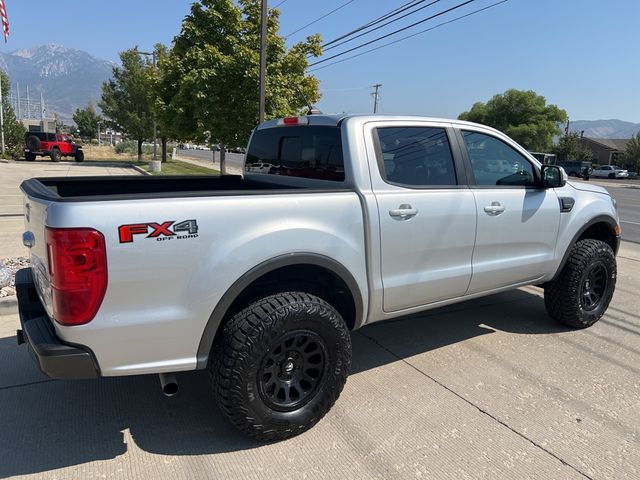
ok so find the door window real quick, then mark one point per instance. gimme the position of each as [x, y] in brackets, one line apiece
[415, 156]
[496, 163]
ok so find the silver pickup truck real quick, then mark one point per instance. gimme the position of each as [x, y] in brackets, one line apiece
[338, 222]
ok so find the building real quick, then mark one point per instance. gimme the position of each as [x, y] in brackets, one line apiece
[606, 151]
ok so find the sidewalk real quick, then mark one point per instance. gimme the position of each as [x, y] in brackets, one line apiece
[12, 174]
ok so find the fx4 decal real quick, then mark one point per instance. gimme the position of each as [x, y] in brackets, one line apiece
[159, 231]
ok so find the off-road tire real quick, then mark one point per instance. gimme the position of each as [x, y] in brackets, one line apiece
[245, 359]
[29, 157]
[33, 143]
[581, 293]
[55, 155]
[612, 175]
[79, 156]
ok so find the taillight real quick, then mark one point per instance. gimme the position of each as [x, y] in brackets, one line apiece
[78, 273]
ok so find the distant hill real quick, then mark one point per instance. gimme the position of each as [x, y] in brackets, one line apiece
[605, 128]
[68, 78]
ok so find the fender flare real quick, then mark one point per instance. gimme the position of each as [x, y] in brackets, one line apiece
[220, 310]
[610, 221]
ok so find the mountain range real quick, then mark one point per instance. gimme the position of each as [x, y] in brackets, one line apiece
[605, 128]
[69, 78]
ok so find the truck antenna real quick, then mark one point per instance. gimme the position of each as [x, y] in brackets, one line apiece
[312, 110]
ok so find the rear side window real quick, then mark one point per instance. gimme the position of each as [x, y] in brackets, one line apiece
[313, 152]
[416, 156]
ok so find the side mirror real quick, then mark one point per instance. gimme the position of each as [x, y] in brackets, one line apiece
[553, 176]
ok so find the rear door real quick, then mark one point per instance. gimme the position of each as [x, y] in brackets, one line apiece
[518, 220]
[427, 214]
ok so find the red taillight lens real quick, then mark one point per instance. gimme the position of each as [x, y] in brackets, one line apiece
[78, 273]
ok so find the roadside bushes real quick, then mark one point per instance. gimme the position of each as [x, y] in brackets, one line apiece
[130, 147]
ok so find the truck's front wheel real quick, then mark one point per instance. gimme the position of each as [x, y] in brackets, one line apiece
[581, 293]
[280, 364]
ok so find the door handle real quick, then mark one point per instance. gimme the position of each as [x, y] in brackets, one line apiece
[494, 209]
[403, 212]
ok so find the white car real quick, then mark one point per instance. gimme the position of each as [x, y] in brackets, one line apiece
[609, 171]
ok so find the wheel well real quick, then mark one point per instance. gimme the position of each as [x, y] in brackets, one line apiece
[308, 278]
[601, 231]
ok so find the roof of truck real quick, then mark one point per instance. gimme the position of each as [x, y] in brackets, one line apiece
[334, 120]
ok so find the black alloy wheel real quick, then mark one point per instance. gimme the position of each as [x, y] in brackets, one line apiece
[594, 286]
[292, 370]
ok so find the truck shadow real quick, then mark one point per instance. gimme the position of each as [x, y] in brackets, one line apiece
[49, 424]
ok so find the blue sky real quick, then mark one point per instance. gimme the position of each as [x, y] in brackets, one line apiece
[580, 54]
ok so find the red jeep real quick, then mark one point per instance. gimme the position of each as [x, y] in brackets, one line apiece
[55, 145]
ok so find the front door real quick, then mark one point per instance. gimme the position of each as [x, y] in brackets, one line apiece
[518, 221]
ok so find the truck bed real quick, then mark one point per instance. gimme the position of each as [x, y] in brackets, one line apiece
[77, 189]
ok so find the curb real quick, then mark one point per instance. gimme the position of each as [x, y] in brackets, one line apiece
[8, 305]
[2, 160]
[137, 168]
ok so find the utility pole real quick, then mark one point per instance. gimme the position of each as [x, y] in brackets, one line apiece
[263, 60]
[375, 97]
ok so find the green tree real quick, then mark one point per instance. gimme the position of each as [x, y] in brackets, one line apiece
[14, 130]
[523, 115]
[161, 94]
[209, 83]
[87, 120]
[569, 147]
[632, 152]
[127, 98]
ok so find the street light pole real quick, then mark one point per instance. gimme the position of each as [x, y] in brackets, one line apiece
[263, 60]
[99, 133]
[155, 124]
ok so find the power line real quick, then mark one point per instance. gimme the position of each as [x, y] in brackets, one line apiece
[380, 26]
[382, 18]
[319, 18]
[279, 4]
[412, 35]
[393, 33]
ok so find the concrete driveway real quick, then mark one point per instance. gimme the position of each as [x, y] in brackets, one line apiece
[12, 174]
[489, 389]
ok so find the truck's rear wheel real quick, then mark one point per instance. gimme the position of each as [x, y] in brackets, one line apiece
[79, 156]
[56, 155]
[29, 157]
[582, 292]
[280, 364]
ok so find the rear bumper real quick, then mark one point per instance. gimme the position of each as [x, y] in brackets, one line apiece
[55, 358]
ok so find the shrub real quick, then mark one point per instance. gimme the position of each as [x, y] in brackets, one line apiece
[128, 146]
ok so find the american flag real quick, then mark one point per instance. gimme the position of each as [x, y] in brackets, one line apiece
[5, 20]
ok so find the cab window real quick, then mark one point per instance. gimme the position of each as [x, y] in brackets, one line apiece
[496, 163]
[415, 156]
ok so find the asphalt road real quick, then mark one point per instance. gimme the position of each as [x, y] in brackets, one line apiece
[234, 159]
[628, 198]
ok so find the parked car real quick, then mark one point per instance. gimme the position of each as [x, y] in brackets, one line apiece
[260, 278]
[609, 171]
[49, 144]
[576, 168]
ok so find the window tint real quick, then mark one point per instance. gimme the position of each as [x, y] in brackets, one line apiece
[496, 163]
[416, 156]
[297, 151]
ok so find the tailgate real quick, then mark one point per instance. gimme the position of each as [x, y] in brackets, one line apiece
[34, 238]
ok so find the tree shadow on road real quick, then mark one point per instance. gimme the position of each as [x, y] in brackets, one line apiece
[48, 425]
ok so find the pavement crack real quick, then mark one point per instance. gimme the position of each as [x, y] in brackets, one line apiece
[477, 407]
[9, 387]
